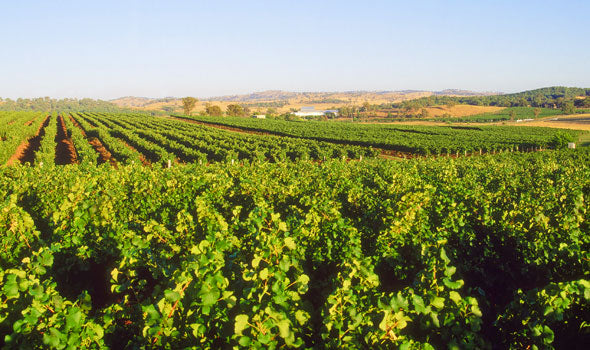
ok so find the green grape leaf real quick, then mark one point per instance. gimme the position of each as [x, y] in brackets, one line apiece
[241, 324]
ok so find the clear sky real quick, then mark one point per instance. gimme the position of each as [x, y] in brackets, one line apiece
[107, 49]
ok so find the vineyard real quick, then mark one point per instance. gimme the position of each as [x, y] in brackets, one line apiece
[424, 140]
[131, 231]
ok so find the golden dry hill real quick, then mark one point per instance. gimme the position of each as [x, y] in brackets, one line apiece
[283, 101]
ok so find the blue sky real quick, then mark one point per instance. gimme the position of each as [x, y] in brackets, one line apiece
[107, 49]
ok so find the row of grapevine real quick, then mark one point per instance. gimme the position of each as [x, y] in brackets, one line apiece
[16, 128]
[46, 153]
[115, 146]
[476, 253]
[162, 140]
[85, 152]
[406, 138]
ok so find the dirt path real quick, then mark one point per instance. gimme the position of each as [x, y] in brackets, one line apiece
[104, 155]
[65, 152]
[25, 152]
[30, 122]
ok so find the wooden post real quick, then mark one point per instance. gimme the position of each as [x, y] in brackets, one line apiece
[361, 158]
[169, 163]
[232, 162]
[40, 164]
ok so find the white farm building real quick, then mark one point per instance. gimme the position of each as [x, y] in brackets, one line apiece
[312, 112]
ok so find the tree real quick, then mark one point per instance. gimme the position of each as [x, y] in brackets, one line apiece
[512, 114]
[568, 107]
[235, 110]
[271, 112]
[424, 113]
[188, 104]
[537, 111]
[214, 111]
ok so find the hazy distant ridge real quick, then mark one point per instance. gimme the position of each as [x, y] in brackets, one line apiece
[279, 95]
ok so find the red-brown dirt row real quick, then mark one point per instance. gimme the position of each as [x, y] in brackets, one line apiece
[25, 152]
[104, 154]
[143, 159]
[65, 152]
[29, 122]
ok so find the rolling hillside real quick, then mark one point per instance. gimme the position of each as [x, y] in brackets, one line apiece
[284, 101]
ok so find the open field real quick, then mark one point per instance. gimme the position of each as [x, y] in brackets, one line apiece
[574, 122]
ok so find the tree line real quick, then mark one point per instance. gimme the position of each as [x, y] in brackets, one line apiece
[551, 97]
[47, 104]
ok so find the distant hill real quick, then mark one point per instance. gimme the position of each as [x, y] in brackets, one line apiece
[286, 100]
[455, 92]
[278, 95]
[548, 97]
[131, 101]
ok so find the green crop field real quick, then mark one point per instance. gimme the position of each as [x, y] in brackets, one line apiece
[423, 140]
[162, 233]
[505, 114]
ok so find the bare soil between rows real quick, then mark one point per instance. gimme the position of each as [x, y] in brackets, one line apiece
[143, 159]
[65, 152]
[25, 152]
[104, 155]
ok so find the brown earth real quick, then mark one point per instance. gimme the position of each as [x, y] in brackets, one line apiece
[76, 124]
[25, 152]
[29, 122]
[143, 159]
[65, 152]
[104, 154]
[575, 122]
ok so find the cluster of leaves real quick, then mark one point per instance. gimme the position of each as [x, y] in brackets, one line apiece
[423, 254]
